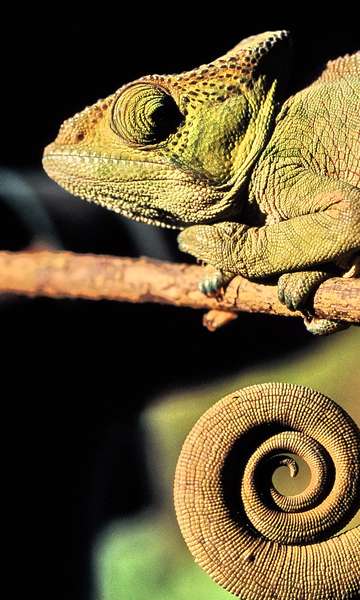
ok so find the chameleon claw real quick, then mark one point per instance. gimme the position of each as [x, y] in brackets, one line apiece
[209, 287]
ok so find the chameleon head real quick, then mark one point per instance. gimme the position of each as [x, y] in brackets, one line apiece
[175, 150]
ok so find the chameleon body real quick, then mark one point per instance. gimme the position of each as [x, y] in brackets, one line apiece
[251, 539]
[259, 188]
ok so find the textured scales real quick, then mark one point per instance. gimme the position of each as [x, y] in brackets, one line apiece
[252, 540]
[259, 188]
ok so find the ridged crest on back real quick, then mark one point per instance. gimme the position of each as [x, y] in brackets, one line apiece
[344, 65]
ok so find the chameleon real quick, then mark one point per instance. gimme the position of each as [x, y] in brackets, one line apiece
[258, 184]
[252, 540]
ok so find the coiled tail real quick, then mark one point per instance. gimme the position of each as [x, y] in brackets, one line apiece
[252, 540]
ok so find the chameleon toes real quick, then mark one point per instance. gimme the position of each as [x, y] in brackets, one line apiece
[295, 289]
[213, 284]
[324, 326]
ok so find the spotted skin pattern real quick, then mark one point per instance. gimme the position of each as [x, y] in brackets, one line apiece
[258, 188]
[251, 539]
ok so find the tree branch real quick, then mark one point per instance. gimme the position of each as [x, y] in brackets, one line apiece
[96, 277]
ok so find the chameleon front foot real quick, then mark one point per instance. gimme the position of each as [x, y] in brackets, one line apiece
[219, 245]
[213, 282]
[213, 244]
[210, 244]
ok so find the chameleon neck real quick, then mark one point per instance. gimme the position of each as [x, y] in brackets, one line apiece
[263, 112]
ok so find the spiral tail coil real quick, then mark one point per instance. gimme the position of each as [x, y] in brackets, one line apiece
[251, 539]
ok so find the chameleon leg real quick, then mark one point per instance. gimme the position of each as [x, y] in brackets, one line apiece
[291, 245]
[294, 244]
[294, 290]
[328, 228]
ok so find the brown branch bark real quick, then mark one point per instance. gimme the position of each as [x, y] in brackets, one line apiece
[95, 277]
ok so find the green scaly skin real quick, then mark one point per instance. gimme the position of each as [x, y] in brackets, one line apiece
[259, 188]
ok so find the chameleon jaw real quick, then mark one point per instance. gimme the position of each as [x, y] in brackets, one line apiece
[115, 204]
[78, 175]
[110, 204]
[155, 193]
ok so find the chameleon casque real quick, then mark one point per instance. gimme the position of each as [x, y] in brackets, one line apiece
[259, 188]
[262, 188]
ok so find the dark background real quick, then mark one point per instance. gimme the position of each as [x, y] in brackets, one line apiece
[76, 374]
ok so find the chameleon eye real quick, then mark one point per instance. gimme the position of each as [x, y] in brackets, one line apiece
[145, 114]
